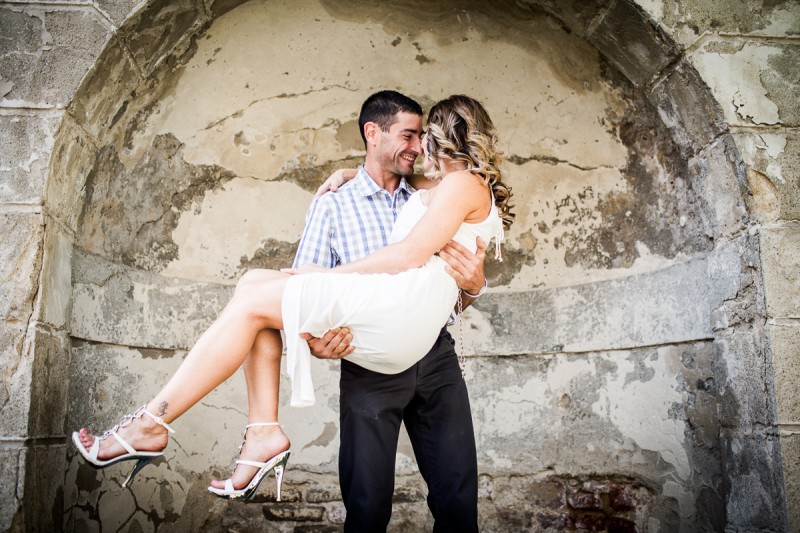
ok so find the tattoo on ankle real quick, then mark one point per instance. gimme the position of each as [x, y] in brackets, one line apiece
[162, 409]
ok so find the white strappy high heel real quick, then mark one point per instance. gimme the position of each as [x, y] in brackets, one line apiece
[278, 463]
[142, 458]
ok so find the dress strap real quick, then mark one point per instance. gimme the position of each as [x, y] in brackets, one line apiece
[498, 238]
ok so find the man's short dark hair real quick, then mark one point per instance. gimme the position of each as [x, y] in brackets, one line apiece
[382, 108]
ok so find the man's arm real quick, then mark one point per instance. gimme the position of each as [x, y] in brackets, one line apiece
[466, 268]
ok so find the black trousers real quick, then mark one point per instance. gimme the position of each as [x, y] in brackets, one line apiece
[431, 399]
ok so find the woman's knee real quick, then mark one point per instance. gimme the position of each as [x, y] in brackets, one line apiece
[253, 279]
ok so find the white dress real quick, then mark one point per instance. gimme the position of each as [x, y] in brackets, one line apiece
[394, 318]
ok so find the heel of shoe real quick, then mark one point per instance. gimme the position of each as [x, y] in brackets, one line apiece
[141, 463]
[280, 467]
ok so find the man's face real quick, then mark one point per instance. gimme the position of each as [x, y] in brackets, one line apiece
[400, 146]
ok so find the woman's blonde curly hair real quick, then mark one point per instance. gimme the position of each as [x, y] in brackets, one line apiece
[459, 128]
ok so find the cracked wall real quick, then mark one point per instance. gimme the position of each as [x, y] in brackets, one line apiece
[639, 290]
[211, 169]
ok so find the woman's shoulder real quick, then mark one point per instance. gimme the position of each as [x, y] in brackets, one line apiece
[465, 180]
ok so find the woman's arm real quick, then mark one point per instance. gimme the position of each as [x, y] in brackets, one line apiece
[336, 180]
[459, 195]
[343, 175]
[419, 181]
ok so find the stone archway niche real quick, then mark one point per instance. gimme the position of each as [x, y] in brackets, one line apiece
[599, 325]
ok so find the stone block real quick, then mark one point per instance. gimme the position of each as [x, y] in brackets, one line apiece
[633, 43]
[686, 20]
[790, 454]
[756, 83]
[732, 296]
[48, 54]
[621, 411]
[688, 109]
[11, 466]
[294, 513]
[52, 305]
[719, 179]
[578, 15]
[217, 8]
[780, 263]
[742, 378]
[323, 496]
[785, 344]
[15, 373]
[26, 141]
[102, 98]
[753, 481]
[119, 305]
[20, 262]
[44, 487]
[772, 160]
[661, 307]
[73, 159]
[49, 383]
[152, 33]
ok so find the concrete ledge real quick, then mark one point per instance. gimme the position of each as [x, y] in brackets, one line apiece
[119, 305]
[667, 306]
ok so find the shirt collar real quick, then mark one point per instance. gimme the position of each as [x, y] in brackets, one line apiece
[366, 186]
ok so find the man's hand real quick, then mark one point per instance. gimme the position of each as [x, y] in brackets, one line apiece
[336, 180]
[464, 266]
[335, 344]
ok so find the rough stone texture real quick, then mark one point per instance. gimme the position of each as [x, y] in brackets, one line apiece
[151, 34]
[781, 263]
[687, 20]
[112, 303]
[45, 53]
[790, 453]
[53, 303]
[716, 169]
[578, 15]
[785, 342]
[25, 144]
[687, 109]
[200, 126]
[756, 84]
[754, 476]
[96, 106]
[20, 261]
[10, 461]
[633, 43]
[669, 305]
[44, 467]
[584, 401]
[48, 389]
[775, 188]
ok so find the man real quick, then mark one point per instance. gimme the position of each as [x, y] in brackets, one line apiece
[430, 397]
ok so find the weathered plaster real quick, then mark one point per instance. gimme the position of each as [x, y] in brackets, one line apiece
[635, 221]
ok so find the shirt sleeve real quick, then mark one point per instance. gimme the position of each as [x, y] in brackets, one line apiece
[316, 244]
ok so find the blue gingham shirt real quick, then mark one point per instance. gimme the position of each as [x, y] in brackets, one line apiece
[351, 223]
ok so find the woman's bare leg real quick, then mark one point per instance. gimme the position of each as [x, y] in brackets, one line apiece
[262, 375]
[256, 305]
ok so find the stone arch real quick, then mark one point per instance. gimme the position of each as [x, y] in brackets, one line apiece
[161, 36]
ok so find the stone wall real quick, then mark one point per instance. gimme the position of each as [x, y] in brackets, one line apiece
[632, 366]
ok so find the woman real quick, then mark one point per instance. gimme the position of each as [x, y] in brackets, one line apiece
[399, 289]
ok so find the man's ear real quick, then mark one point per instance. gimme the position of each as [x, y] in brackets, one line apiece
[371, 132]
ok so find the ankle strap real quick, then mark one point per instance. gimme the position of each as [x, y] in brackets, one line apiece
[262, 424]
[158, 419]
